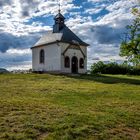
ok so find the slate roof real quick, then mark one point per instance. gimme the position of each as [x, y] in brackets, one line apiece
[63, 34]
[48, 38]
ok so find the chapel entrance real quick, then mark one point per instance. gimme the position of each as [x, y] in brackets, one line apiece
[74, 67]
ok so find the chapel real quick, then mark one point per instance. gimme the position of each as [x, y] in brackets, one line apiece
[60, 50]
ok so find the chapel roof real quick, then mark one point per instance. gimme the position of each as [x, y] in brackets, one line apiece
[60, 33]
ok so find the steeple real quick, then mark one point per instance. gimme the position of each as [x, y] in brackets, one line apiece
[59, 21]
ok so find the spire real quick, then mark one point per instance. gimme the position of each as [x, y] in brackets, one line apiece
[59, 11]
[59, 15]
[59, 21]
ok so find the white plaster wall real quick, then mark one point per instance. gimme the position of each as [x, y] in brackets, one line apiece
[63, 48]
[71, 53]
[52, 58]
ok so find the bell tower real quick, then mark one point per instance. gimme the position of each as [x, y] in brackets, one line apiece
[59, 22]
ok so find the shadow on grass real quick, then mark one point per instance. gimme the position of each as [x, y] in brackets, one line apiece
[108, 79]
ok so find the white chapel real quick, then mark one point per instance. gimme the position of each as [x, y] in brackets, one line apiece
[60, 51]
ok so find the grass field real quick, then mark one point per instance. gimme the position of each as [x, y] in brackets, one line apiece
[52, 107]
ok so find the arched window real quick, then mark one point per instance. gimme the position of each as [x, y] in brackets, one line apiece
[42, 56]
[67, 62]
[81, 63]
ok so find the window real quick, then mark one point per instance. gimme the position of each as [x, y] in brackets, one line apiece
[42, 56]
[81, 63]
[67, 62]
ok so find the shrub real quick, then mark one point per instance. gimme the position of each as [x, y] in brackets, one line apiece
[114, 68]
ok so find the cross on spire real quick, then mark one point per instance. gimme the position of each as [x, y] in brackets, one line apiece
[59, 6]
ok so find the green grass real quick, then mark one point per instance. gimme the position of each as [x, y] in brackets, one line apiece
[53, 107]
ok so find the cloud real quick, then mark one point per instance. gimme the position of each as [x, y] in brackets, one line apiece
[107, 35]
[2, 2]
[8, 41]
[93, 10]
[122, 5]
[16, 59]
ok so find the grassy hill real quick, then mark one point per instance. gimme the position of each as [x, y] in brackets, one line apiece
[51, 107]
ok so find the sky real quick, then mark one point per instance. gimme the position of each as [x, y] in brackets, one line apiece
[100, 23]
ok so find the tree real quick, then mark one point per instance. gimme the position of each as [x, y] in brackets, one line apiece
[130, 46]
[113, 68]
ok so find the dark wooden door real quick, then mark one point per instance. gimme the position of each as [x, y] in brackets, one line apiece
[74, 67]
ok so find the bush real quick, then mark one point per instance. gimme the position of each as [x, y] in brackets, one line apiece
[114, 68]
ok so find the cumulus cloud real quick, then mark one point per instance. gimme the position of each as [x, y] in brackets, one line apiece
[93, 10]
[2, 3]
[8, 41]
[107, 35]
[16, 59]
